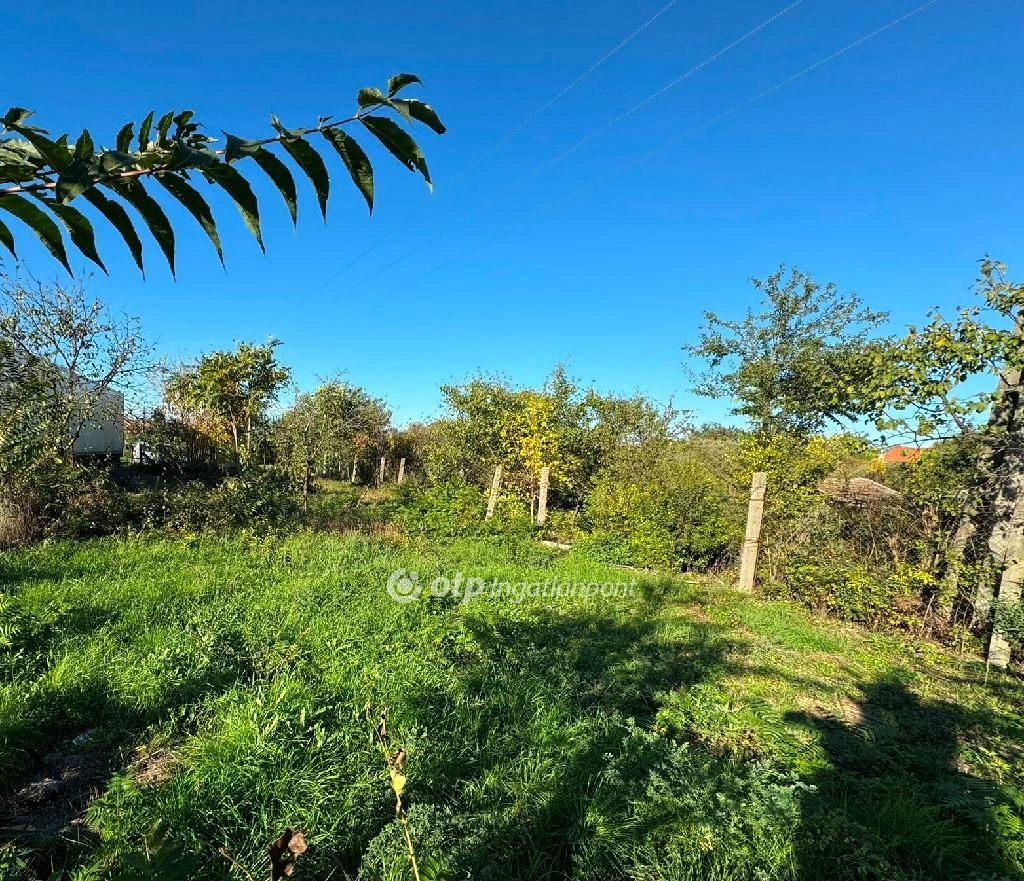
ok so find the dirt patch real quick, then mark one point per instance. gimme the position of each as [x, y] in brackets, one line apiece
[851, 712]
[154, 767]
[52, 801]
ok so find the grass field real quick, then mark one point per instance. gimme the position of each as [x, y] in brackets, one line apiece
[171, 705]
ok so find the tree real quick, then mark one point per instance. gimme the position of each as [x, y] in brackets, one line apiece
[63, 357]
[334, 421]
[925, 384]
[40, 177]
[794, 367]
[237, 387]
[571, 431]
[61, 354]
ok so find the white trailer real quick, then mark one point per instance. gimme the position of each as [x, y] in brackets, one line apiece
[100, 432]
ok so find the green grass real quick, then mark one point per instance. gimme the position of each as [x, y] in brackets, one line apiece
[685, 733]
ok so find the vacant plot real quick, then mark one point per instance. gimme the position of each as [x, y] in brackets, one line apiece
[173, 705]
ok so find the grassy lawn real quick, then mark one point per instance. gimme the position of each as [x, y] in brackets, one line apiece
[211, 692]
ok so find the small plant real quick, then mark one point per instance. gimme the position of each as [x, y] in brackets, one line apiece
[395, 764]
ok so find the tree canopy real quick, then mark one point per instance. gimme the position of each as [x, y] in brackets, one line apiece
[235, 387]
[40, 176]
[797, 365]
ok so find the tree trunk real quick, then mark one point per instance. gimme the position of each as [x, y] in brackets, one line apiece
[1005, 464]
[1009, 589]
[305, 484]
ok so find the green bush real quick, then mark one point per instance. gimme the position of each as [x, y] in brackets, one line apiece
[256, 499]
[96, 506]
[457, 508]
[453, 508]
[679, 518]
[853, 593]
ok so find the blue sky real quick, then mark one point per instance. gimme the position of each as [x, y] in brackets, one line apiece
[890, 171]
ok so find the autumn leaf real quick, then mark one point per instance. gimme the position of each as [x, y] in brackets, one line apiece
[284, 851]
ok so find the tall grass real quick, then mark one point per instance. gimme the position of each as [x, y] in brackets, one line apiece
[679, 733]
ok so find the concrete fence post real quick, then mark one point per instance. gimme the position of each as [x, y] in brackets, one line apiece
[542, 496]
[401, 470]
[752, 539]
[492, 500]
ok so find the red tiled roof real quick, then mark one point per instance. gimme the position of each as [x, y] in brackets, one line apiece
[897, 454]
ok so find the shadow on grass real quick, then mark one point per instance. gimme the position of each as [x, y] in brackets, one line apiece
[72, 737]
[540, 707]
[893, 802]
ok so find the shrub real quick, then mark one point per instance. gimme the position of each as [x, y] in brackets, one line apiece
[20, 518]
[452, 508]
[255, 499]
[63, 500]
[97, 506]
[680, 517]
[853, 593]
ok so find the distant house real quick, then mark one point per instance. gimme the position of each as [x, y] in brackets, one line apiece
[100, 432]
[900, 455]
[96, 423]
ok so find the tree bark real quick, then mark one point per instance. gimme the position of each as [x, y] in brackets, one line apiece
[1005, 464]
[305, 484]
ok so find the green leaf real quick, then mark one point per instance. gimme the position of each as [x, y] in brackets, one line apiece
[114, 160]
[79, 229]
[7, 239]
[75, 180]
[372, 98]
[183, 156]
[16, 116]
[400, 80]
[356, 161]
[135, 195]
[278, 126]
[164, 126]
[120, 220]
[195, 205]
[282, 178]
[237, 187]
[238, 148]
[399, 143]
[55, 155]
[124, 137]
[310, 162]
[421, 112]
[83, 146]
[145, 129]
[40, 223]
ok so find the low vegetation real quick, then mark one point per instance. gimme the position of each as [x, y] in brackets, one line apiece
[204, 650]
[211, 691]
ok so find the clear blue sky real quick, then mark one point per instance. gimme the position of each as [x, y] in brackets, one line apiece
[889, 170]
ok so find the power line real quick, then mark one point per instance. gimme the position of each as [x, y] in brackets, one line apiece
[687, 134]
[568, 88]
[664, 89]
[497, 145]
[519, 184]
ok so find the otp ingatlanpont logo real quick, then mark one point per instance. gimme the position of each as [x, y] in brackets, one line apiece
[404, 587]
